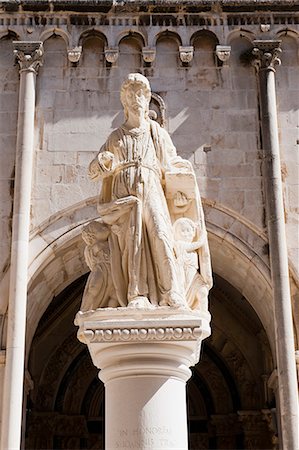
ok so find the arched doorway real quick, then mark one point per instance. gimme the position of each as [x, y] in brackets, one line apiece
[227, 397]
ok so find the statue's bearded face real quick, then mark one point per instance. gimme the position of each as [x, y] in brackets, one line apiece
[137, 100]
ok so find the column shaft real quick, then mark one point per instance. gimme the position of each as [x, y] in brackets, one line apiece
[285, 350]
[16, 320]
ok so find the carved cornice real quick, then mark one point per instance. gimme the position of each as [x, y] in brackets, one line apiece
[266, 54]
[29, 55]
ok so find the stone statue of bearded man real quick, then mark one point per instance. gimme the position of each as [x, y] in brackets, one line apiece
[139, 168]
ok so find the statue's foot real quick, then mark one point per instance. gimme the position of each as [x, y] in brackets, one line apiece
[140, 302]
[175, 300]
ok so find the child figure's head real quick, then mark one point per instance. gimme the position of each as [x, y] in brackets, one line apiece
[95, 231]
[184, 229]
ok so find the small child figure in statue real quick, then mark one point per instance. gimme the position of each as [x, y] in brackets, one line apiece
[186, 249]
[99, 291]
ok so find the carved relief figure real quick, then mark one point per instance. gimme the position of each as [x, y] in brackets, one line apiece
[99, 290]
[139, 201]
[186, 249]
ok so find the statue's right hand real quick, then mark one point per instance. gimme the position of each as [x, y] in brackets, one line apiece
[106, 160]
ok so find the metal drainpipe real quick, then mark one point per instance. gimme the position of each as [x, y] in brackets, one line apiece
[29, 57]
[266, 54]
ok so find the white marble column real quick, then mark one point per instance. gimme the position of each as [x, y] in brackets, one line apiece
[29, 57]
[144, 357]
[266, 53]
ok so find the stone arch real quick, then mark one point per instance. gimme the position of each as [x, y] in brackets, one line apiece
[289, 45]
[208, 35]
[204, 62]
[66, 388]
[288, 32]
[47, 34]
[204, 43]
[240, 33]
[55, 59]
[140, 37]
[9, 34]
[238, 248]
[90, 34]
[170, 35]
[167, 54]
[93, 43]
[130, 51]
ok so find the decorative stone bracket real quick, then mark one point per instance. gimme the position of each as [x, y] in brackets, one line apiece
[149, 54]
[186, 53]
[74, 54]
[111, 54]
[223, 53]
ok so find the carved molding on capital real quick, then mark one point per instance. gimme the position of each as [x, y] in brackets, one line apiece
[113, 325]
[223, 53]
[111, 54]
[141, 334]
[266, 53]
[149, 54]
[74, 54]
[186, 53]
[29, 55]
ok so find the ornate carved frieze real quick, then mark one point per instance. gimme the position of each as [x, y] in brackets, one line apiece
[132, 327]
[186, 53]
[29, 55]
[74, 54]
[266, 53]
[111, 54]
[143, 334]
[148, 54]
[223, 53]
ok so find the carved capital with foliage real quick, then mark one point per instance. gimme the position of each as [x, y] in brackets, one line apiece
[29, 55]
[266, 54]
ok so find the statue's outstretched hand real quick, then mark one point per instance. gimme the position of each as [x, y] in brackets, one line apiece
[106, 160]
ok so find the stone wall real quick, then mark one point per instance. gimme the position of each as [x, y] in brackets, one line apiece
[211, 102]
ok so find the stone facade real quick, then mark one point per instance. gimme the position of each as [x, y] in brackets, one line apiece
[197, 56]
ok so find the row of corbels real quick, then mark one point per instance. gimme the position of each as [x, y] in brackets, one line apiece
[186, 54]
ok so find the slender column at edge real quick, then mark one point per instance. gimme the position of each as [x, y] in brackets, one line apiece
[29, 57]
[266, 54]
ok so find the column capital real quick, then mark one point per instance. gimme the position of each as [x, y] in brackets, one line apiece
[109, 332]
[266, 53]
[29, 55]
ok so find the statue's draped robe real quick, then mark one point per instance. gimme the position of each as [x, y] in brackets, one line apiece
[132, 201]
